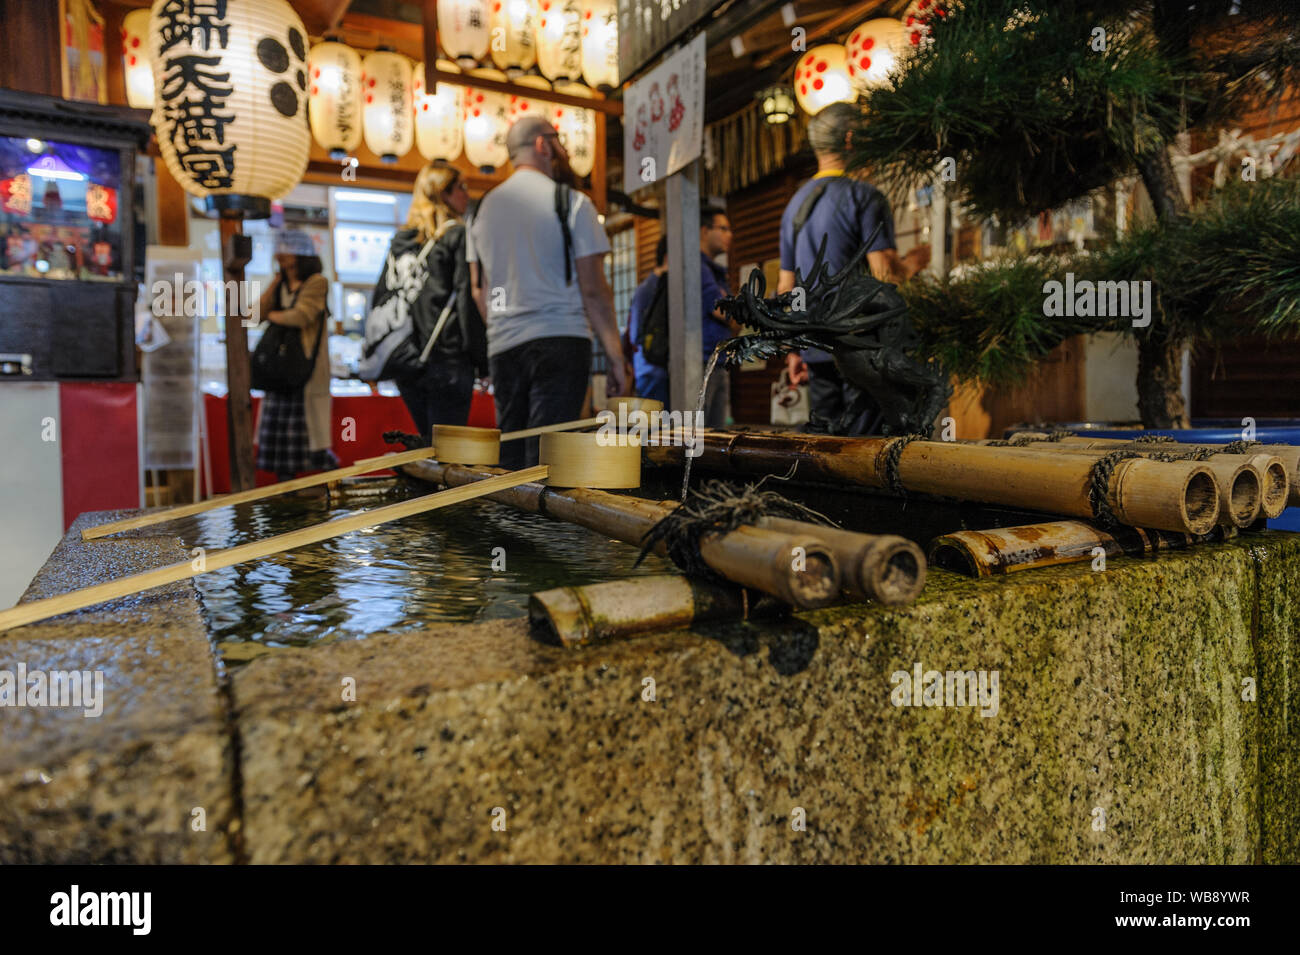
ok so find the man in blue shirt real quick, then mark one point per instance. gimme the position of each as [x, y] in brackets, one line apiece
[845, 212]
[652, 380]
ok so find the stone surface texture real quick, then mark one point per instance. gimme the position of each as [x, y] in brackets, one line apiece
[1146, 713]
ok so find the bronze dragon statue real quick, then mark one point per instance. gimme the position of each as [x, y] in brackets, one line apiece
[862, 322]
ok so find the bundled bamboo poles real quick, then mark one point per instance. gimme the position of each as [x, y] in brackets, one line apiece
[1004, 550]
[882, 567]
[798, 568]
[1276, 465]
[1178, 496]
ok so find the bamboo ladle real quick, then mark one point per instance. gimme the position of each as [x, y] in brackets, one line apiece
[364, 466]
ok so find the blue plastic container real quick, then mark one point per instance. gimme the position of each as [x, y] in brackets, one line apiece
[1208, 431]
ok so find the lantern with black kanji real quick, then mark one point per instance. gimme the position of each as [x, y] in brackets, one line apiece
[600, 43]
[335, 103]
[137, 64]
[438, 123]
[559, 40]
[387, 117]
[487, 119]
[577, 129]
[514, 44]
[463, 30]
[231, 107]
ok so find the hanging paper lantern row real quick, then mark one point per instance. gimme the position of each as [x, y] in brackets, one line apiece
[438, 118]
[872, 50]
[600, 43]
[137, 64]
[559, 40]
[521, 104]
[577, 129]
[821, 77]
[487, 119]
[514, 44]
[334, 107]
[387, 111]
[231, 110]
[463, 30]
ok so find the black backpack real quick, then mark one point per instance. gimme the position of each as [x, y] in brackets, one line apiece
[279, 364]
[652, 334]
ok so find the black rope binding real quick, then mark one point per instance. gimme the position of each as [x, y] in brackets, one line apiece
[893, 455]
[408, 441]
[1099, 485]
[1241, 447]
[1023, 440]
[717, 507]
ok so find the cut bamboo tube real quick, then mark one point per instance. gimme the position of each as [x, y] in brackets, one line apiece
[1004, 550]
[578, 616]
[90, 596]
[1288, 453]
[256, 494]
[1179, 496]
[458, 444]
[882, 567]
[590, 459]
[749, 556]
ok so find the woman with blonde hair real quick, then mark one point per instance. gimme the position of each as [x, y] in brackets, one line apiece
[426, 263]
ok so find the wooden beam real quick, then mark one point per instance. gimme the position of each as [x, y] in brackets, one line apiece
[239, 404]
[853, 14]
[595, 102]
[320, 16]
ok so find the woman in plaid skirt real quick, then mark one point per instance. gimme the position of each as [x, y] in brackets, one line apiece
[293, 433]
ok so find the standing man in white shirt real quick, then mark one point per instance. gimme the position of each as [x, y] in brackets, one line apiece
[536, 255]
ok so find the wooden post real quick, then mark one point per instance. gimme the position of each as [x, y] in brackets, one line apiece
[430, 11]
[239, 404]
[685, 334]
[598, 175]
[114, 75]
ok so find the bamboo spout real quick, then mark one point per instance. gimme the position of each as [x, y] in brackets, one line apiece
[883, 567]
[800, 569]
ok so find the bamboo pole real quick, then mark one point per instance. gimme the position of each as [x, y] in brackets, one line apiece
[1179, 496]
[577, 616]
[799, 569]
[882, 567]
[549, 428]
[1004, 550]
[380, 463]
[137, 583]
[1289, 454]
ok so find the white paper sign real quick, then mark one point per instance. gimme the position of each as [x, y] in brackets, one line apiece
[663, 118]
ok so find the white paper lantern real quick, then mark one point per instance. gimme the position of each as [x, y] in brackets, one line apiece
[487, 120]
[821, 77]
[387, 113]
[514, 40]
[231, 110]
[523, 105]
[438, 118]
[559, 40]
[872, 51]
[463, 30]
[577, 129]
[600, 43]
[335, 104]
[137, 62]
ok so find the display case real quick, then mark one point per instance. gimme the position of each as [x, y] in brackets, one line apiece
[69, 238]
